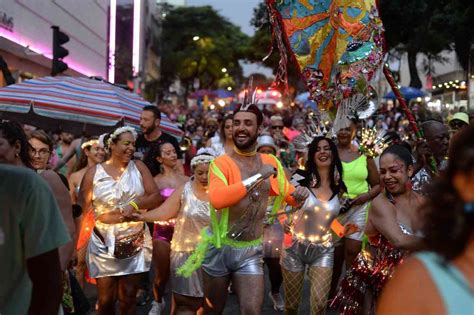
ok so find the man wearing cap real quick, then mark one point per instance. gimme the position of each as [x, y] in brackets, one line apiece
[459, 121]
[240, 184]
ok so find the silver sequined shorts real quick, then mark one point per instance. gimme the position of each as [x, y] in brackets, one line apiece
[191, 286]
[299, 255]
[220, 262]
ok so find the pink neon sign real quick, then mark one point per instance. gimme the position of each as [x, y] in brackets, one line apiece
[112, 31]
[16, 38]
[136, 36]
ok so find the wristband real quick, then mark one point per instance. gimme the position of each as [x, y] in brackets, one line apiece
[134, 205]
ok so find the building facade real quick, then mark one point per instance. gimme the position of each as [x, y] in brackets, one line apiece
[26, 36]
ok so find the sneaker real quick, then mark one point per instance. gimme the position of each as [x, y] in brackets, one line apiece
[278, 303]
[142, 297]
[157, 308]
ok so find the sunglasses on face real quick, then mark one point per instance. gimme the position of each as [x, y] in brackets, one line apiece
[277, 127]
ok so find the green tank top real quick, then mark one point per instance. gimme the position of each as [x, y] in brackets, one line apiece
[355, 175]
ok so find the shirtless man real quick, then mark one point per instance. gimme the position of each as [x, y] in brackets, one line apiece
[240, 184]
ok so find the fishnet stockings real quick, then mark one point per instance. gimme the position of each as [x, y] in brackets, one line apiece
[293, 284]
[81, 265]
[320, 279]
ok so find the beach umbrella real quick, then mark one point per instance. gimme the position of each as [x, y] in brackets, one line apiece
[76, 105]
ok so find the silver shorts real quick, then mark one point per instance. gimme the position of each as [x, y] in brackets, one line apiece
[191, 286]
[299, 255]
[220, 262]
[356, 215]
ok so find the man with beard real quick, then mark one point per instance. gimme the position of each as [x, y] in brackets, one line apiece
[240, 184]
[436, 146]
[152, 135]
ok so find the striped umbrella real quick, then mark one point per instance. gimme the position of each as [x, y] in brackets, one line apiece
[75, 105]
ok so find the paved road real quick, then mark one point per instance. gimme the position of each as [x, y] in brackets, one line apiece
[232, 305]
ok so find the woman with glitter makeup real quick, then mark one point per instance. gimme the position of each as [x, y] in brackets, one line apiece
[392, 226]
[92, 153]
[441, 281]
[309, 241]
[189, 204]
[118, 250]
[167, 181]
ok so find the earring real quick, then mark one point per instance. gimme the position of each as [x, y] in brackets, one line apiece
[314, 181]
[17, 155]
[337, 176]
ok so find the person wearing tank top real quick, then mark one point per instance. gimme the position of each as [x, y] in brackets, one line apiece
[189, 204]
[392, 228]
[118, 250]
[440, 281]
[167, 180]
[362, 181]
[309, 243]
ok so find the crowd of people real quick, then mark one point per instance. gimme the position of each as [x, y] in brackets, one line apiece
[143, 216]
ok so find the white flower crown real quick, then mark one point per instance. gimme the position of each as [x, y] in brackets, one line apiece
[203, 156]
[119, 131]
[89, 143]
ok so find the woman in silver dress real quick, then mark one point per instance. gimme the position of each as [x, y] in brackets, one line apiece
[309, 242]
[189, 204]
[118, 250]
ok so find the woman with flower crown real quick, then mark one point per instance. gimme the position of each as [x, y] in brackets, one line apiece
[189, 204]
[92, 153]
[119, 250]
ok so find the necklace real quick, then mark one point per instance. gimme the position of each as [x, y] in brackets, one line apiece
[239, 152]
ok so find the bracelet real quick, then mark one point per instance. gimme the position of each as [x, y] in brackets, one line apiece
[134, 205]
[252, 181]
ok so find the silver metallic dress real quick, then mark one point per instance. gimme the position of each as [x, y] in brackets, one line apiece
[312, 244]
[123, 248]
[193, 216]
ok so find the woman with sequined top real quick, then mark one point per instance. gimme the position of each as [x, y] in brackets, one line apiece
[309, 241]
[167, 180]
[118, 250]
[391, 227]
[441, 281]
[189, 204]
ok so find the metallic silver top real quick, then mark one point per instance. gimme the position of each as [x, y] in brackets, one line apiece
[311, 223]
[109, 193]
[193, 216]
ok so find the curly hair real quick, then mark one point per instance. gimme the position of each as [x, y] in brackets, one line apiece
[13, 132]
[448, 228]
[336, 164]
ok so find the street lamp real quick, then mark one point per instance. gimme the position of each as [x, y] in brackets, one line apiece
[196, 38]
[224, 70]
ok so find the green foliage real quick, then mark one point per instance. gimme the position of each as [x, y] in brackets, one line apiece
[428, 27]
[220, 45]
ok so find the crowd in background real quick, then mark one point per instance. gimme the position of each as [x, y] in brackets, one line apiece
[147, 168]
